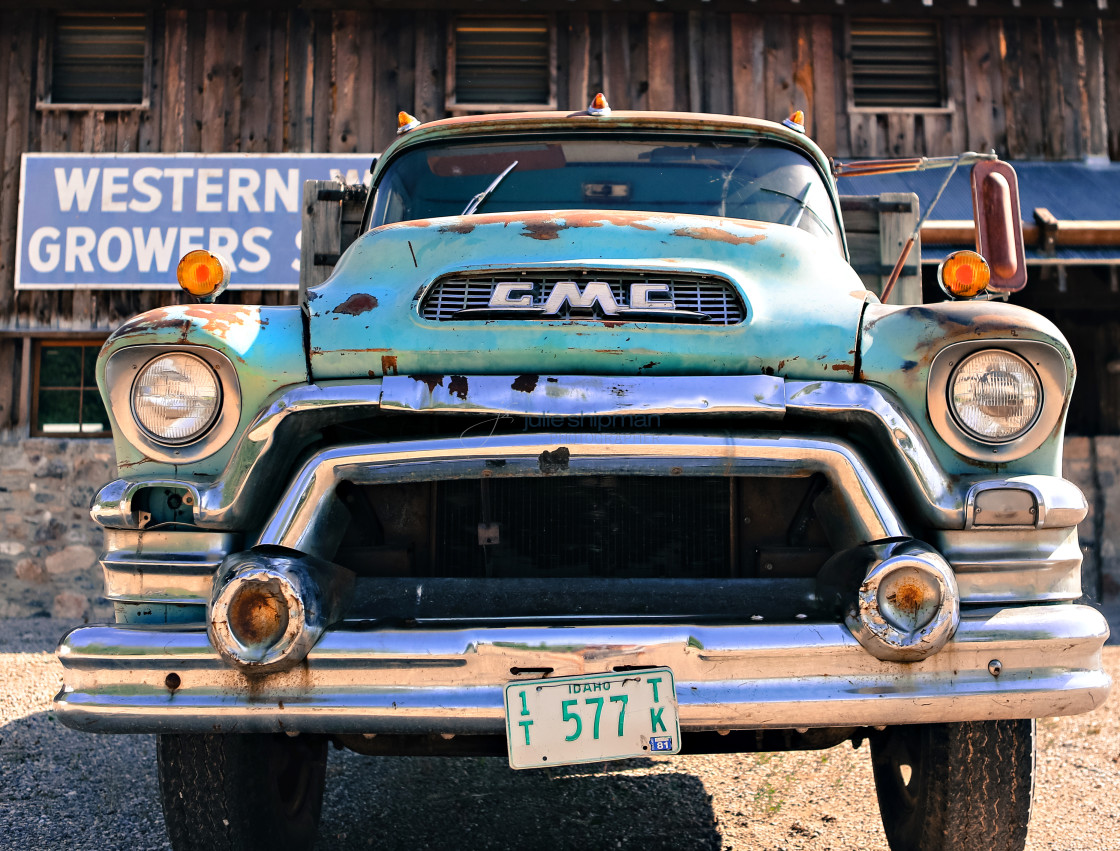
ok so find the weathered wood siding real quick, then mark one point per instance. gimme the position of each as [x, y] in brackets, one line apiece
[317, 81]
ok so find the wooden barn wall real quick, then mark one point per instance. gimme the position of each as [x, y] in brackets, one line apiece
[333, 81]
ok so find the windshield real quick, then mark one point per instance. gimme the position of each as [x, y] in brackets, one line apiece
[742, 179]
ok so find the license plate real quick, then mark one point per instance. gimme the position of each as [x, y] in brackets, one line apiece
[571, 720]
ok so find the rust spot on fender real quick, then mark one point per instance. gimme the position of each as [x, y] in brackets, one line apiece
[433, 381]
[843, 367]
[555, 461]
[909, 596]
[649, 365]
[388, 364]
[458, 227]
[458, 387]
[542, 230]
[357, 304]
[525, 383]
[710, 234]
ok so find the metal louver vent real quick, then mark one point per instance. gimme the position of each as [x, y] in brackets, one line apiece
[896, 63]
[695, 298]
[503, 60]
[98, 58]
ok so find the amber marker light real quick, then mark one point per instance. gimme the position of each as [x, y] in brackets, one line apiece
[406, 122]
[796, 121]
[599, 106]
[202, 274]
[963, 274]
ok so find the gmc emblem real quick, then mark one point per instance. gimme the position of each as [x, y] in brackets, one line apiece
[512, 295]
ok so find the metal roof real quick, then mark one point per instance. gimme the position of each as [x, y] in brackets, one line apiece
[1071, 191]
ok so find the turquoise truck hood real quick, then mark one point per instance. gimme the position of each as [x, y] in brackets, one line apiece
[803, 301]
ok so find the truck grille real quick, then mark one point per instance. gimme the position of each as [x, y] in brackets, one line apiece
[707, 295]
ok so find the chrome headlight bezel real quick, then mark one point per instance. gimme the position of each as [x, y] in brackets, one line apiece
[1054, 376]
[123, 368]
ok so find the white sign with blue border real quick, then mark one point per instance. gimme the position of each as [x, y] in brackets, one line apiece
[122, 221]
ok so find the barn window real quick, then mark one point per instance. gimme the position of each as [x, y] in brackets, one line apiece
[896, 64]
[502, 63]
[65, 400]
[96, 59]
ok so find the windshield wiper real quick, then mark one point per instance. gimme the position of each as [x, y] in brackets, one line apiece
[479, 199]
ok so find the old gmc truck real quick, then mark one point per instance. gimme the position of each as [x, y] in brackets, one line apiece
[592, 446]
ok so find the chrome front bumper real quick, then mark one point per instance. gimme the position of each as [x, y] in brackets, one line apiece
[360, 679]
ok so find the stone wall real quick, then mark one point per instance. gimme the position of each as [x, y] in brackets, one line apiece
[49, 546]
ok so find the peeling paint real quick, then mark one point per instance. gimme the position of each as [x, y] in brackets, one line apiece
[388, 365]
[433, 381]
[711, 234]
[525, 383]
[457, 227]
[459, 387]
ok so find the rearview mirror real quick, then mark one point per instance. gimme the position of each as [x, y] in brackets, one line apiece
[999, 226]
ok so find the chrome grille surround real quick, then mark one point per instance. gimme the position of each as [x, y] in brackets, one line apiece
[714, 297]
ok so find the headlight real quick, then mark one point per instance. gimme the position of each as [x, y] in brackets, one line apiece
[995, 395]
[176, 398]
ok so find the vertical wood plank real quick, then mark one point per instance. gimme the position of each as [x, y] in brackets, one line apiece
[695, 63]
[428, 98]
[900, 134]
[298, 115]
[18, 41]
[976, 58]
[405, 36]
[321, 100]
[617, 67]
[1093, 97]
[662, 89]
[176, 81]
[215, 79]
[803, 93]
[1016, 78]
[366, 121]
[840, 88]
[717, 64]
[1052, 102]
[344, 135]
[128, 131]
[277, 82]
[894, 230]
[681, 50]
[1069, 69]
[579, 58]
[957, 125]
[595, 70]
[388, 71]
[151, 120]
[778, 31]
[748, 83]
[825, 105]
[638, 38]
[235, 46]
[1111, 42]
[256, 91]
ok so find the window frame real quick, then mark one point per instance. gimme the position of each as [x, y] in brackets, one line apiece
[451, 104]
[37, 345]
[947, 104]
[44, 94]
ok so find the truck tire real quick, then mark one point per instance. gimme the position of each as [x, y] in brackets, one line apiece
[241, 792]
[969, 785]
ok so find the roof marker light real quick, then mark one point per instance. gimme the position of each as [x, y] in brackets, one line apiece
[796, 121]
[599, 106]
[406, 122]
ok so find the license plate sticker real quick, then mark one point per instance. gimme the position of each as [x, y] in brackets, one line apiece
[572, 720]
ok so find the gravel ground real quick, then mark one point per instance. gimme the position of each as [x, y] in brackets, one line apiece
[67, 790]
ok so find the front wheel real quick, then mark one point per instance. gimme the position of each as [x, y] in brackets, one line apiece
[966, 786]
[241, 791]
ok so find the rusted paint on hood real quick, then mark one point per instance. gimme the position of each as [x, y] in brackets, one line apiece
[800, 321]
[719, 234]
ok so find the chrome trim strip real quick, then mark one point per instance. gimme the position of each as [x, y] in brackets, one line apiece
[303, 517]
[227, 502]
[588, 395]
[1011, 565]
[163, 566]
[362, 680]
